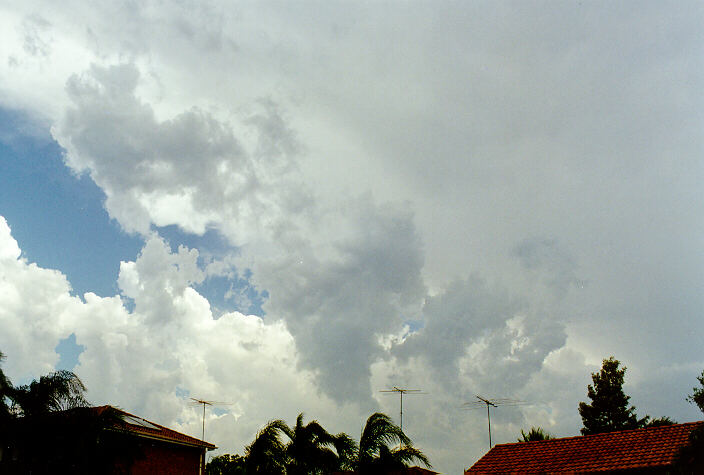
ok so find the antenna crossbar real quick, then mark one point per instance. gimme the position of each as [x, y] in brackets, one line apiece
[401, 392]
[198, 402]
[489, 403]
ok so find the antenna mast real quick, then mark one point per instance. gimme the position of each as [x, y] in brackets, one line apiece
[481, 402]
[198, 402]
[402, 391]
[488, 414]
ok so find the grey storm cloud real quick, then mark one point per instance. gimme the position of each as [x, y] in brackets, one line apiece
[340, 300]
[542, 255]
[523, 178]
[194, 158]
[338, 308]
[463, 314]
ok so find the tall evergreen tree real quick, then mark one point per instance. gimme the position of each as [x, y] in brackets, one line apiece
[697, 396]
[690, 458]
[609, 410]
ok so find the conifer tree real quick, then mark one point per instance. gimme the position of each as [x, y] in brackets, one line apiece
[609, 409]
[697, 396]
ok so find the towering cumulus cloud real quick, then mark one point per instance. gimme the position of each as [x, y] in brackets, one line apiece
[343, 275]
[167, 346]
[462, 198]
[340, 275]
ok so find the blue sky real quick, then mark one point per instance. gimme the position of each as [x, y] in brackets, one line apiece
[291, 208]
[57, 215]
[60, 219]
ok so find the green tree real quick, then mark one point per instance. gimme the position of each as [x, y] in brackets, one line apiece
[347, 451]
[609, 410]
[690, 458]
[697, 396]
[226, 464]
[6, 417]
[535, 433]
[266, 454]
[5, 391]
[58, 391]
[52, 413]
[660, 421]
[310, 449]
[375, 455]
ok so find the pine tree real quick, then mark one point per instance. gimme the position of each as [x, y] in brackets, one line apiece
[609, 409]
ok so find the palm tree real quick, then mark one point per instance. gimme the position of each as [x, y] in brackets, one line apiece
[376, 457]
[59, 391]
[310, 450]
[41, 418]
[55, 430]
[347, 451]
[266, 454]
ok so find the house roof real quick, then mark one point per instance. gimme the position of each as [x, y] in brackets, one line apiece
[419, 471]
[635, 449]
[405, 471]
[152, 430]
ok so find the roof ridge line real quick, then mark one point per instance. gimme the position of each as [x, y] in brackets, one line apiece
[601, 434]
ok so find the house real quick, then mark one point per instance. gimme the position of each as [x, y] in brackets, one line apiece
[161, 451]
[417, 471]
[405, 471]
[648, 450]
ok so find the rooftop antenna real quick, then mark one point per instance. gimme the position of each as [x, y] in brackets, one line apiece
[198, 402]
[481, 402]
[402, 391]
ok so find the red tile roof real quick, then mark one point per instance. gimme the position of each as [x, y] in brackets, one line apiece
[623, 450]
[151, 430]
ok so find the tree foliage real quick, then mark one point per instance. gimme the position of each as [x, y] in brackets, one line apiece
[5, 415]
[697, 396]
[609, 410]
[375, 455]
[226, 464]
[48, 427]
[5, 390]
[58, 391]
[535, 433]
[266, 454]
[690, 458]
[658, 422]
[310, 449]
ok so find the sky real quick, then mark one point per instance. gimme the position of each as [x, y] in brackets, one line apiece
[292, 206]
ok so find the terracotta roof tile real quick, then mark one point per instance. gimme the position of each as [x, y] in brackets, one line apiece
[145, 428]
[630, 449]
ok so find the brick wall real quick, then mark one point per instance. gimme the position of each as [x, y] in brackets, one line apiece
[166, 459]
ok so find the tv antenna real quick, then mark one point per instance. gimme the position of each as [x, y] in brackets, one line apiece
[402, 391]
[481, 402]
[198, 402]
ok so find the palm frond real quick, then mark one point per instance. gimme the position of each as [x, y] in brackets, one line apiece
[409, 454]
